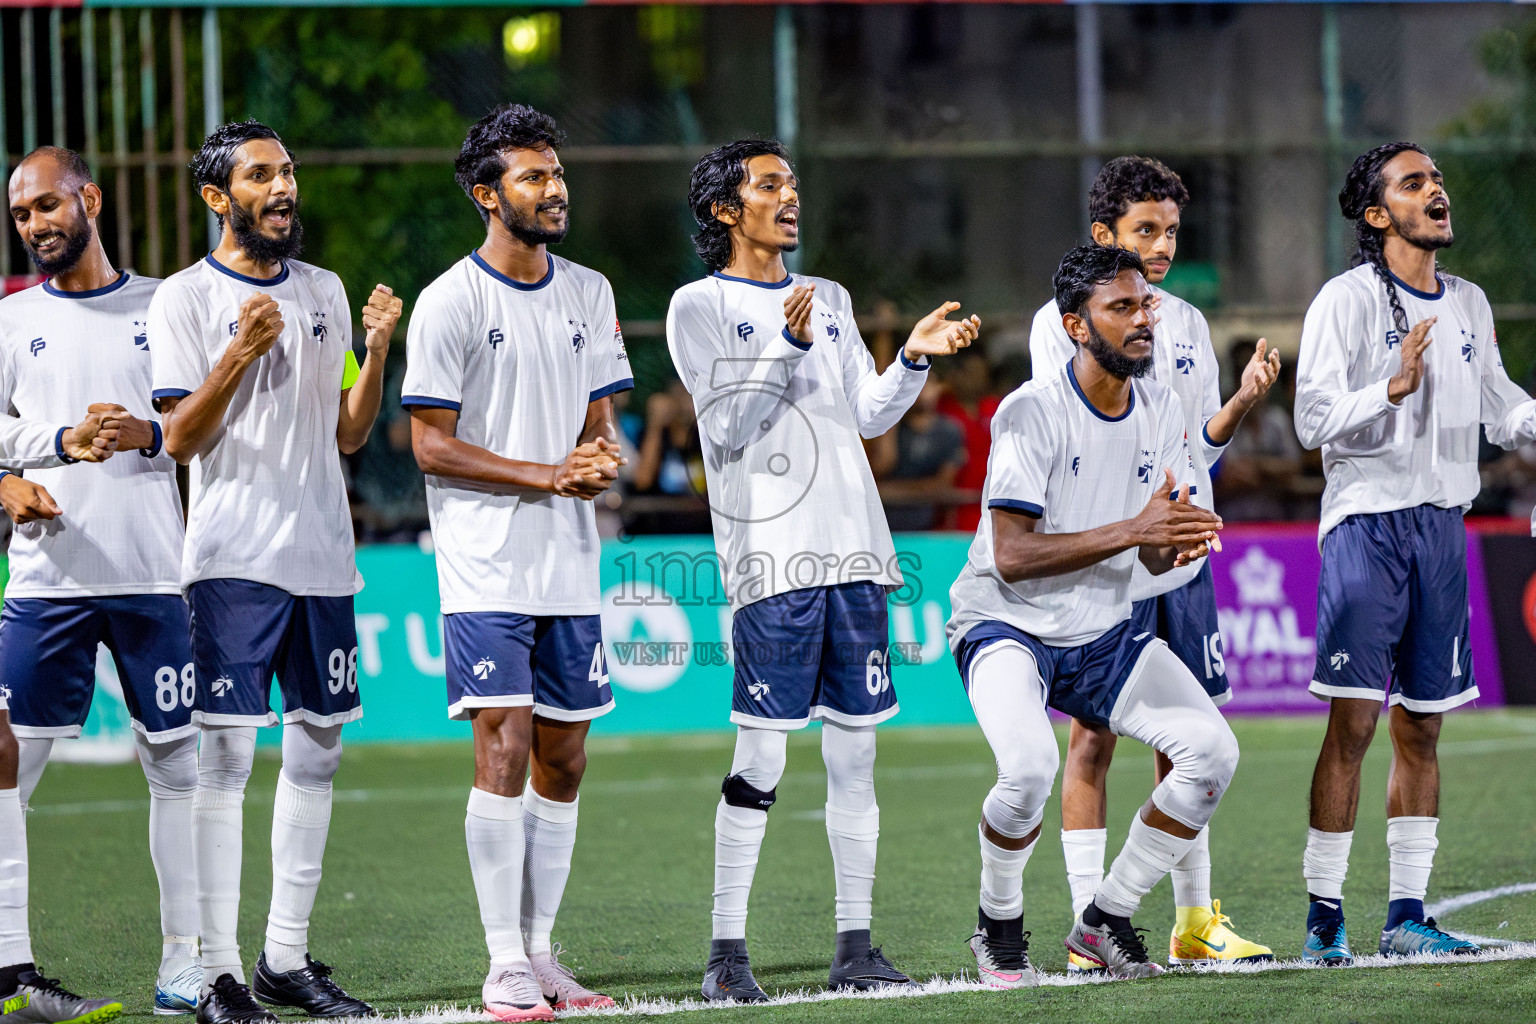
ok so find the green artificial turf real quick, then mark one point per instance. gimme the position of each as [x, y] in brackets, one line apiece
[396, 914]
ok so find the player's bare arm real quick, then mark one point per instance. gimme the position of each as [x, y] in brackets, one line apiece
[189, 423]
[1411, 372]
[1259, 375]
[360, 402]
[1163, 530]
[25, 501]
[937, 335]
[122, 428]
[90, 440]
[581, 474]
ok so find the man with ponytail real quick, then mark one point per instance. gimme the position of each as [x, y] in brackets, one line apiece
[1399, 365]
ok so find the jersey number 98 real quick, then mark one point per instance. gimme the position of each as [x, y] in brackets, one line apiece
[343, 670]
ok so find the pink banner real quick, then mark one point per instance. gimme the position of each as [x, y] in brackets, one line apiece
[1266, 594]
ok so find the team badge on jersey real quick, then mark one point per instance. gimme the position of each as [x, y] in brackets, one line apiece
[1394, 339]
[832, 330]
[579, 338]
[38, 344]
[744, 331]
[140, 336]
[1184, 356]
[1144, 471]
[495, 338]
[320, 330]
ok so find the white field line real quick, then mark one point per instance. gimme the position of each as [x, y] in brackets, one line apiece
[639, 1007]
[1451, 904]
[935, 773]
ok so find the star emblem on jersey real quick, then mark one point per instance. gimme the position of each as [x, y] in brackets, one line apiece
[1339, 660]
[744, 331]
[579, 338]
[758, 690]
[141, 335]
[483, 668]
[1185, 360]
[222, 685]
[320, 329]
[1144, 471]
[495, 338]
[38, 344]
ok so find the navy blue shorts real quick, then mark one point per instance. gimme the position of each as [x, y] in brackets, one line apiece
[1084, 682]
[555, 663]
[820, 652]
[1392, 610]
[244, 632]
[1185, 619]
[48, 662]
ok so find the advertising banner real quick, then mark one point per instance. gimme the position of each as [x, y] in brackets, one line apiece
[666, 631]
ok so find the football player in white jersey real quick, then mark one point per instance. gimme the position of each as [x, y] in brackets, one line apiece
[785, 388]
[1399, 365]
[514, 356]
[1136, 203]
[1083, 465]
[95, 560]
[258, 387]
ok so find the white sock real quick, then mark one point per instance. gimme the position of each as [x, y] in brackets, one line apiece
[217, 840]
[493, 831]
[549, 830]
[15, 942]
[1411, 845]
[171, 851]
[738, 838]
[1326, 862]
[1148, 855]
[854, 837]
[1002, 878]
[1084, 851]
[301, 821]
[1192, 874]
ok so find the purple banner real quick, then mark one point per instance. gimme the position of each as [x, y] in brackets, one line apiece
[1266, 594]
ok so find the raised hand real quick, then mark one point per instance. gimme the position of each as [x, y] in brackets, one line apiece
[937, 335]
[1260, 374]
[1411, 373]
[379, 319]
[128, 430]
[1169, 522]
[90, 440]
[797, 312]
[257, 327]
[25, 501]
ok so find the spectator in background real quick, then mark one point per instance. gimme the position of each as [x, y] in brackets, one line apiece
[670, 463]
[970, 402]
[1257, 476]
[923, 454]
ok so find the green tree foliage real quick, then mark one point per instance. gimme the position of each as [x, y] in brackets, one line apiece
[1489, 161]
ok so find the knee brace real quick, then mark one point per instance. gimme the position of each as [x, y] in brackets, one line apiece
[739, 793]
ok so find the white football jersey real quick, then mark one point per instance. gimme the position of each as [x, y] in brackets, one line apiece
[1380, 457]
[1182, 358]
[120, 531]
[1056, 457]
[520, 363]
[268, 501]
[794, 503]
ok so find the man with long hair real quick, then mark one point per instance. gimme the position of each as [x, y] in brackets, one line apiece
[784, 389]
[1399, 365]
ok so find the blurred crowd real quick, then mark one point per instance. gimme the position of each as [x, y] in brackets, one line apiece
[930, 468]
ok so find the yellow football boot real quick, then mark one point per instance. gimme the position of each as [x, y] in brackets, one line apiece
[1201, 938]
